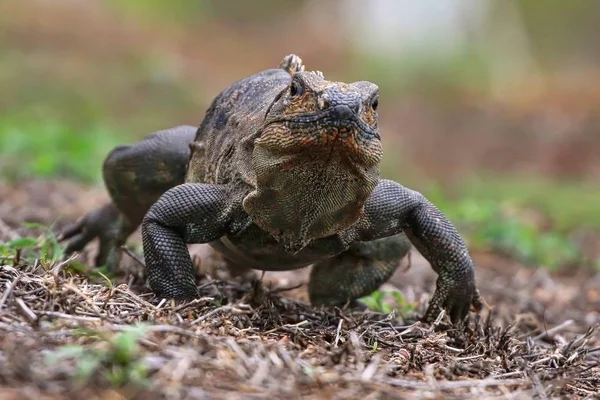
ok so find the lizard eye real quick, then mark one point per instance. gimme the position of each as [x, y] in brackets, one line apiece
[375, 104]
[296, 89]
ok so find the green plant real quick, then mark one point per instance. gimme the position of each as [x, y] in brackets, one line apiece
[30, 148]
[44, 247]
[502, 226]
[386, 301]
[570, 205]
[117, 358]
[101, 273]
[48, 250]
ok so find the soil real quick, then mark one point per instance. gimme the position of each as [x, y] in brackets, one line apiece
[257, 337]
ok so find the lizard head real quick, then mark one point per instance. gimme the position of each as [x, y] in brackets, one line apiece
[316, 158]
[317, 115]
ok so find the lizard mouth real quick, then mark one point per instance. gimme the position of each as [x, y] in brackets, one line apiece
[339, 120]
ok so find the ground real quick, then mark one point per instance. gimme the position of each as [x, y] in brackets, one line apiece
[78, 78]
[76, 335]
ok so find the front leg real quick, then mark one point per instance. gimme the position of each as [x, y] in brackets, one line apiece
[188, 213]
[392, 208]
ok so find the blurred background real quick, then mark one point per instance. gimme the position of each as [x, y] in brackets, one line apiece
[491, 108]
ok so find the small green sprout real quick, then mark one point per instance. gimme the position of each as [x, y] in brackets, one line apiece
[118, 358]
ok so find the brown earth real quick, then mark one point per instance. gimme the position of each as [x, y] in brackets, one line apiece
[244, 339]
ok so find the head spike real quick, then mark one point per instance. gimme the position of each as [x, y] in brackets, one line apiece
[292, 64]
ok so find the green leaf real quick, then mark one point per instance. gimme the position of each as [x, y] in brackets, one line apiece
[125, 344]
[87, 365]
[33, 225]
[23, 242]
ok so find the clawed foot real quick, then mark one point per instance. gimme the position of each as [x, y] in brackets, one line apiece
[100, 223]
[457, 299]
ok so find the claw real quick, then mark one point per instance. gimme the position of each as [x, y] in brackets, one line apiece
[477, 302]
[456, 299]
[99, 223]
[70, 231]
[458, 312]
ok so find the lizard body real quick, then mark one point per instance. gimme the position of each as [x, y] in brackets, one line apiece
[282, 173]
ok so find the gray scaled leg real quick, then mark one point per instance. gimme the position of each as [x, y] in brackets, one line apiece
[357, 272]
[135, 177]
[188, 213]
[392, 208]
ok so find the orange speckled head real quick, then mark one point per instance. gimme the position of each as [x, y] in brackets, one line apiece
[314, 113]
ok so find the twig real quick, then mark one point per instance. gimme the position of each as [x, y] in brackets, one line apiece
[262, 372]
[338, 332]
[287, 326]
[275, 359]
[371, 369]
[211, 313]
[161, 303]
[438, 320]
[431, 380]
[59, 267]
[135, 297]
[192, 303]
[448, 385]
[285, 289]
[469, 358]
[409, 264]
[133, 256]
[594, 350]
[453, 349]
[57, 314]
[357, 352]
[29, 314]
[537, 385]
[581, 390]
[409, 329]
[9, 290]
[240, 353]
[557, 328]
[541, 360]
[75, 289]
[509, 374]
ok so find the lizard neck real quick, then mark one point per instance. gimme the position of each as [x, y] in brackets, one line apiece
[302, 197]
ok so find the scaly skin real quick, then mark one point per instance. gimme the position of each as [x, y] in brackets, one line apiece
[282, 173]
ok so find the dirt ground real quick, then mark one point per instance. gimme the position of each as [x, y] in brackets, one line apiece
[255, 339]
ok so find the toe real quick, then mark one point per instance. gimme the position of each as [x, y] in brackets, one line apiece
[459, 311]
[71, 230]
[78, 242]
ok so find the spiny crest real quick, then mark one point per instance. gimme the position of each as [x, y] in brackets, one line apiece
[293, 64]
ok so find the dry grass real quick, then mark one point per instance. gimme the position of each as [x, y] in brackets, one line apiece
[246, 341]
[255, 339]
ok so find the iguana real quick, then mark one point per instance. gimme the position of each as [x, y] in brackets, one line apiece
[282, 173]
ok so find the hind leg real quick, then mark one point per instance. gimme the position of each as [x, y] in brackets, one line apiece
[357, 272]
[135, 177]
